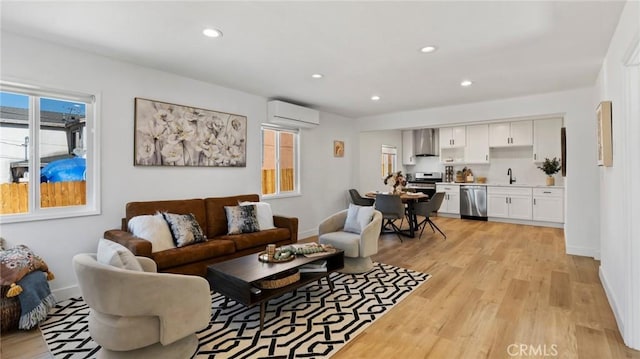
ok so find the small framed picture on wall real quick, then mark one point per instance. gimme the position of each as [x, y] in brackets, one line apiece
[605, 136]
[338, 148]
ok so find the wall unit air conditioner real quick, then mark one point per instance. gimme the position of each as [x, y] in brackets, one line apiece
[292, 116]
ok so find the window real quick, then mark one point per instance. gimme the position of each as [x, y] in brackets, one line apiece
[48, 162]
[388, 160]
[279, 161]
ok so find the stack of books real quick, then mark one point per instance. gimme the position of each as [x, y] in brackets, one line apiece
[317, 266]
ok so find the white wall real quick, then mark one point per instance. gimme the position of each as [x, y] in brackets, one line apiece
[118, 83]
[575, 106]
[619, 195]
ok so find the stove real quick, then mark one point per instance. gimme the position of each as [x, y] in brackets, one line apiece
[425, 182]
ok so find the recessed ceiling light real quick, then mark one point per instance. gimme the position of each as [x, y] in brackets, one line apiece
[466, 83]
[428, 49]
[375, 98]
[317, 76]
[212, 33]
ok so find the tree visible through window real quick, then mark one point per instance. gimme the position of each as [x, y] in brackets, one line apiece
[279, 158]
[45, 150]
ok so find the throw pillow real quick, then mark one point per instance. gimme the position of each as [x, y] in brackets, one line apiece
[184, 229]
[115, 254]
[17, 262]
[154, 229]
[241, 219]
[358, 217]
[265, 216]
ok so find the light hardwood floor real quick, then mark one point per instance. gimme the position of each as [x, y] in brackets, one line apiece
[496, 289]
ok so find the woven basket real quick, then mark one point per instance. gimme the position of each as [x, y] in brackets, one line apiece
[280, 280]
[9, 312]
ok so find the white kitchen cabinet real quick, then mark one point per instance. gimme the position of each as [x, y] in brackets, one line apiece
[477, 148]
[452, 137]
[408, 150]
[546, 139]
[548, 205]
[509, 202]
[507, 134]
[451, 203]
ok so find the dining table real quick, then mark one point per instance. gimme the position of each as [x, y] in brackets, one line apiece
[410, 199]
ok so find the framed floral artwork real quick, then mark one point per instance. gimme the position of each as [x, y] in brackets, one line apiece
[605, 145]
[167, 134]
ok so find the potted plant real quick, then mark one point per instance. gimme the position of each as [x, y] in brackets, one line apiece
[396, 181]
[550, 167]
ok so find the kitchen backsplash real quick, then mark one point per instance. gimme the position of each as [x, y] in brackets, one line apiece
[518, 159]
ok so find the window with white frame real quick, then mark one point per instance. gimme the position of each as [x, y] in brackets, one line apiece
[48, 162]
[388, 160]
[280, 175]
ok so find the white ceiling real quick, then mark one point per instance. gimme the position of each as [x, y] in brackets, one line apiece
[362, 48]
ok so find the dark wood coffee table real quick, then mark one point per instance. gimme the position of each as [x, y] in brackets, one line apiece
[237, 278]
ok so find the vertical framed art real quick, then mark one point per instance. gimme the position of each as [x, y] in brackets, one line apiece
[605, 136]
[338, 148]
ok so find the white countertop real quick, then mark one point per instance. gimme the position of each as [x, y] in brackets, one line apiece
[492, 184]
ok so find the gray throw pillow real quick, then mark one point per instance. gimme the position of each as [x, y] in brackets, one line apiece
[358, 217]
[242, 219]
[185, 229]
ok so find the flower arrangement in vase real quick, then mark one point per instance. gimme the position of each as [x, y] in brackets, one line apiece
[396, 181]
[550, 167]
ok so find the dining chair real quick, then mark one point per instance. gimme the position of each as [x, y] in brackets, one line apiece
[392, 208]
[425, 209]
[357, 199]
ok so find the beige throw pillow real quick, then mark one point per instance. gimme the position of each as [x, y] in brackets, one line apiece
[117, 255]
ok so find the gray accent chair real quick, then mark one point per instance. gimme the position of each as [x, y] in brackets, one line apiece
[357, 199]
[426, 209]
[142, 314]
[358, 248]
[392, 209]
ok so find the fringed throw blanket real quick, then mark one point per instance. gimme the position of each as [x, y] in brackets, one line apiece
[35, 300]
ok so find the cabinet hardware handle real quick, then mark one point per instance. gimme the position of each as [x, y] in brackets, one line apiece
[546, 192]
[535, 156]
[486, 157]
[534, 201]
[506, 200]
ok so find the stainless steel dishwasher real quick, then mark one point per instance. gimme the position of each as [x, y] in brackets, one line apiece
[473, 202]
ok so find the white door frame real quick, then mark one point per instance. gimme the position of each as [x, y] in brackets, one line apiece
[631, 62]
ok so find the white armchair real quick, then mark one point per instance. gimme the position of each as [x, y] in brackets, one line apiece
[142, 314]
[358, 248]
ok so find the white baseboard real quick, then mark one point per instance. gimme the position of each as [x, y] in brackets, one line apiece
[583, 251]
[526, 222]
[307, 233]
[66, 293]
[613, 303]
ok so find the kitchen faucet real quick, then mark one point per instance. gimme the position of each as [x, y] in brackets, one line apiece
[511, 179]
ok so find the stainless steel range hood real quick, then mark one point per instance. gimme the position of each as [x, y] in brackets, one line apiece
[425, 142]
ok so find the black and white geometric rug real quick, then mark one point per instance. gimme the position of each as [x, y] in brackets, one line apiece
[311, 322]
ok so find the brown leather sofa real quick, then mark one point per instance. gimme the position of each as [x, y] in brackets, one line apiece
[194, 259]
